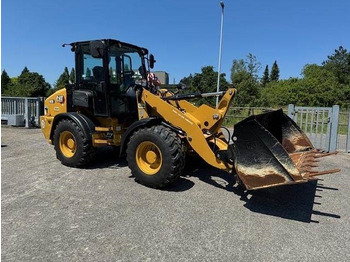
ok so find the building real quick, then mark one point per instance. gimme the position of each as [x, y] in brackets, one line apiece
[162, 76]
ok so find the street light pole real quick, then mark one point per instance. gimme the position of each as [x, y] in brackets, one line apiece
[220, 50]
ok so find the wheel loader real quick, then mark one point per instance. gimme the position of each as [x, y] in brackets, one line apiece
[113, 102]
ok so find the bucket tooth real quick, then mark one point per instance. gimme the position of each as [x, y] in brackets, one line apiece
[305, 169]
[325, 154]
[308, 161]
[325, 172]
[310, 165]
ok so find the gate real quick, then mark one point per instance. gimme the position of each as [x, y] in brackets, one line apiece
[319, 123]
[344, 132]
[26, 110]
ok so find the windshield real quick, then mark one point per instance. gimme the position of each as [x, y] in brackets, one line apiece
[125, 66]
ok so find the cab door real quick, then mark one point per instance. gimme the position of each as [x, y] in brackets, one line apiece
[91, 75]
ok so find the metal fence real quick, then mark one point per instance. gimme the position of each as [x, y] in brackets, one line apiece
[327, 127]
[343, 143]
[30, 108]
[319, 123]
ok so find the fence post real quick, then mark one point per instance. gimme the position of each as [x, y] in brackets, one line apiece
[26, 112]
[334, 128]
[37, 115]
[291, 110]
[14, 106]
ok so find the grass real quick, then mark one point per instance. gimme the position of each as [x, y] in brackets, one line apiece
[237, 114]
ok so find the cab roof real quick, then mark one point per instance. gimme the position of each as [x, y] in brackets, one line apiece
[111, 42]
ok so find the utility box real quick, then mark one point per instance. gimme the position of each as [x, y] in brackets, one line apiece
[14, 120]
[162, 76]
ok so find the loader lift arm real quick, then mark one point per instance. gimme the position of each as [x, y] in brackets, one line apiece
[192, 96]
[199, 125]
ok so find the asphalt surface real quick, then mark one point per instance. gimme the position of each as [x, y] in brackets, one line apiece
[54, 213]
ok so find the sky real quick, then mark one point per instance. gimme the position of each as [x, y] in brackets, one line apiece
[183, 35]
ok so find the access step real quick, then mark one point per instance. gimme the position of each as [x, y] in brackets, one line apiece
[103, 129]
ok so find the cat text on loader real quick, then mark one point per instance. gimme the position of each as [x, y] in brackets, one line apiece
[114, 103]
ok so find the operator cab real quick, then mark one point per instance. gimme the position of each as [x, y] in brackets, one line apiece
[106, 71]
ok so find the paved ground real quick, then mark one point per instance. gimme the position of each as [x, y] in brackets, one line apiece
[55, 213]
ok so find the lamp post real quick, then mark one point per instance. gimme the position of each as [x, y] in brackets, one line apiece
[220, 49]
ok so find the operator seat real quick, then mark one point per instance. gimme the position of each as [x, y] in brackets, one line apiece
[98, 73]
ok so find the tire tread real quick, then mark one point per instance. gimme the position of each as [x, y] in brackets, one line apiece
[176, 149]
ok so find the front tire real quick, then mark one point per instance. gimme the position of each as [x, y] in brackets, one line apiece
[155, 156]
[71, 145]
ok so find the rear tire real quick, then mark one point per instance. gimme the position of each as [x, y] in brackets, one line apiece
[155, 156]
[72, 147]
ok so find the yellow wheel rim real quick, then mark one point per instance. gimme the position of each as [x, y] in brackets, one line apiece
[67, 144]
[148, 158]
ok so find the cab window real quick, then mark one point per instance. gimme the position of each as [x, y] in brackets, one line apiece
[92, 69]
[125, 66]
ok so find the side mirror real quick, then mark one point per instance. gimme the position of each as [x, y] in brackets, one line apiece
[151, 61]
[97, 49]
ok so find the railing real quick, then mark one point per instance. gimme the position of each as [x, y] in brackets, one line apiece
[29, 107]
[319, 123]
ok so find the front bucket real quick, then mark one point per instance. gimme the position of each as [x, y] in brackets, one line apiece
[271, 150]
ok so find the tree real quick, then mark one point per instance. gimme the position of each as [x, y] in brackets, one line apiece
[339, 64]
[323, 87]
[28, 84]
[5, 82]
[88, 72]
[248, 90]
[72, 76]
[204, 82]
[63, 79]
[25, 70]
[275, 72]
[266, 78]
[252, 65]
[245, 80]
[317, 87]
[237, 67]
[284, 92]
[61, 82]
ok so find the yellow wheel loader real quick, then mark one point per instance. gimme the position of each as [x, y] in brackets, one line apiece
[113, 103]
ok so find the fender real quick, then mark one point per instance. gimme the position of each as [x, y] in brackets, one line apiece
[85, 123]
[135, 126]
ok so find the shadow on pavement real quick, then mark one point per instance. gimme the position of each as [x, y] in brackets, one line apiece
[294, 202]
[182, 184]
[107, 157]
